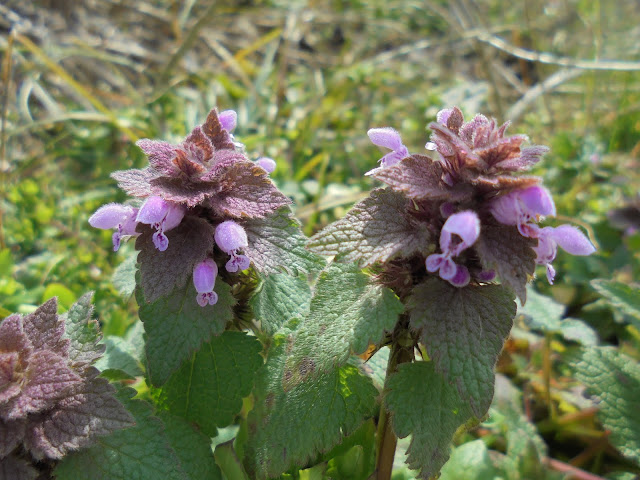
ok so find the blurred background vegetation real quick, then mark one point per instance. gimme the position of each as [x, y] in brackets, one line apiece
[81, 80]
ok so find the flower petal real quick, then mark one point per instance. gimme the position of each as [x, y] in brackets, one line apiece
[153, 210]
[537, 200]
[228, 120]
[385, 137]
[572, 240]
[204, 275]
[230, 236]
[111, 215]
[464, 224]
[268, 164]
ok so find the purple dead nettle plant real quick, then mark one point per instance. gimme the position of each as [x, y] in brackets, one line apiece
[193, 197]
[454, 235]
[52, 401]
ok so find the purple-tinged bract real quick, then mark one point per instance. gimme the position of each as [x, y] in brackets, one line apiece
[51, 399]
[469, 192]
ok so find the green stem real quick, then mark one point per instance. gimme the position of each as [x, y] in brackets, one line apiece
[386, 438]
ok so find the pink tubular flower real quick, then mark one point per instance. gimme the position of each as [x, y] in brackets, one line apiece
[521, 207]
[389, 138]
[268, 164]
[115, 215]
[161, 215]
[228, 120]
[230, 237]
[568, 237]
[466, 226]
[204, 279]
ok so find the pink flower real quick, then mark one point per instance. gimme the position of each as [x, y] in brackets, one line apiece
[228, 120]
[162, 216]
[204, 279]
[568, 237]
[115, 215]
[230, 237]
[389, 138]
[466, 226]
[268, 164]
[521, 207]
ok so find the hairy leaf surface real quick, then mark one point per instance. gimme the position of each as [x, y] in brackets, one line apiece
[348, 313]
[192, 447]
[425, 405]
[208, 388]
[464, 330]
[374, 230]
[280, 298]
[291, 424]
[614, 378]
[83, 333]
[501, 247]
[175, 326]
[622, 296]
[276, 243]
[162, 272]
[141, 452]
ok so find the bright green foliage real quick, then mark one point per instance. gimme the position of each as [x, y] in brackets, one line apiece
[620, 295]
[545, 314]
[471, 461]
[124, 276]
[463, 330]
[354, 458]
[291, 424]
[348, 313]
[83, 332]
[192, 447]
[208, 388]
[615, 379]
[280, 298]
[425, 405]
[119, 359]
[176, 325]
[142, 452]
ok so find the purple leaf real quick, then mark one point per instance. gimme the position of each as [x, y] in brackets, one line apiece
[214, 129]
[45, 329]
[419, 177]
[161, 155]
[77, 420]
[15, 468]
[503, 249]
[375, 230]
[161, 272]
[11, 435]
[246, 191]
[48, 379]
[134, 182]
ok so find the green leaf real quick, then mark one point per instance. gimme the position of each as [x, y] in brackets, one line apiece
[192, 447]
[615, 379]
[471, 461]
[175, 326]
[463, 330]
[279, 299]
[142, 452]
[289, 427]
[342, 320]
[124, 276]
[545, 314]
[374, 230]
[83, 332]
[119, 359]
[425, 405]
[622, 296]
[208, 388]
[277, 244]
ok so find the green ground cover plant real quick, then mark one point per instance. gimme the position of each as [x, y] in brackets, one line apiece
[206, 274]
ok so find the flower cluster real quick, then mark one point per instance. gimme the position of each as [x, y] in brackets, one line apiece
[193, 196]
[51, 399]
[472, 183]
[463, 207]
